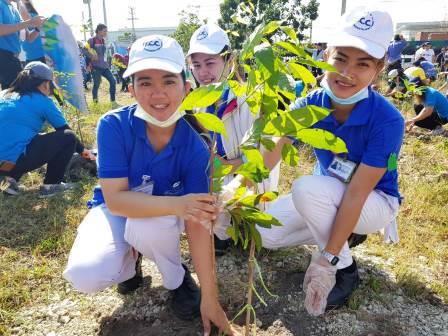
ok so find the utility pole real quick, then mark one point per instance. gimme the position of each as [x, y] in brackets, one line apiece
[133, 18]
[104, 12]
[343, 7]
[87, 2]
[84, 26]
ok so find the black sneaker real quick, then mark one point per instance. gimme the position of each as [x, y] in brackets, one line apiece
[221, 246]
[356, 239]
[347, 280]
[186, 299]
[133, 283]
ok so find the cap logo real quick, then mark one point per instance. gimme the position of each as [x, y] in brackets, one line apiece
[365, 23]
[153, 45]
[202, 34]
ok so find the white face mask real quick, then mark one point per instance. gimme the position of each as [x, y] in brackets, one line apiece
[142, 114]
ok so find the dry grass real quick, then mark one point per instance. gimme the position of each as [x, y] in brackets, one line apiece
[36, 235]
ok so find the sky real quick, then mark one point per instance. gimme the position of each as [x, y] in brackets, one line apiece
[156, 13]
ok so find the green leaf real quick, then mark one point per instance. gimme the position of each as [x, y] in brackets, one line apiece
[322, 139]
[254, 200]
[253, 172]
[203, 96]
[290, 122]
[236, 18]
[255, 234]
[290, 32]
[231, 232]
[217, 185]
[290, 155]
[254, 102]
[287, 86]
[260, 218]
[240, 192]
[211, 122]
[253, 40]
[234, 33]
[268, 143]
[271, 27]
[299, 71]
[317, 64]
[221, 170]
[237, 88]
[294, 49]
[264, 56]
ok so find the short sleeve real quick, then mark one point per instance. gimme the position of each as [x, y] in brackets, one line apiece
[112, 158]
[430, 99]
[384, 140]
[198, 173]
[52, 113]
[299, 103]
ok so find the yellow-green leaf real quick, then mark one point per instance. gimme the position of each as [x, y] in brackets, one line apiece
[290, 155]
[211, 122]
[299, 71]
[321, 139]
[203, 96]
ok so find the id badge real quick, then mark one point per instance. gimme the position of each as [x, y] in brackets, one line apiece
[146, 187]
[342, 169]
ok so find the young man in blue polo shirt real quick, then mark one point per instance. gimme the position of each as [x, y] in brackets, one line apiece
[10, 26]
[356, 192]
[153, 170]
[394, 51]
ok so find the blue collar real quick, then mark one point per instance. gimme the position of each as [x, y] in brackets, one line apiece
[360, 114]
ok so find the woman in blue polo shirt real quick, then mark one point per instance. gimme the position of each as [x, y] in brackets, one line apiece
[431, 110]
[352, 193]
[154, 178]
[24, 108]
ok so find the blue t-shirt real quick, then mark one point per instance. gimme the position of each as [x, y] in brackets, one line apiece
[35, 49]
[438, 101]
[9, 15]
[124, 150]
[22, 118]
[373, 132]
[394, 51]
[428, 67]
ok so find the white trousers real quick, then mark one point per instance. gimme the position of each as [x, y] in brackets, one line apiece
[103, 252]
[308, 213]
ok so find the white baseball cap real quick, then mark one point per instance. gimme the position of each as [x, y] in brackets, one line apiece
[208, 39]
[370, 30]
[392, 74]
[155, 52]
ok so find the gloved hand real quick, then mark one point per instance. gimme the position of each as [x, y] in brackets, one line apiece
[320, 278]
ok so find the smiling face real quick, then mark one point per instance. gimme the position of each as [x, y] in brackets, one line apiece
[158, 92]
[207, 68]
[356, 70]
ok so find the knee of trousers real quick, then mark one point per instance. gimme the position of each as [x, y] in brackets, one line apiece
[87, 278]
[149, 234]
[69, 138]
[310, 192]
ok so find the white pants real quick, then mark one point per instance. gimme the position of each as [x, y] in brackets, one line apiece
[308, 213]
[103, 252]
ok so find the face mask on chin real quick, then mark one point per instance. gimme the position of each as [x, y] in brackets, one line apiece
[142, 114]
[358, 96]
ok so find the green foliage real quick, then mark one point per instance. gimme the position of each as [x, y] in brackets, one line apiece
[189, 22]
[242, 17]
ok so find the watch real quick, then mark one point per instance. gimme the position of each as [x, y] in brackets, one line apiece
[332, 259]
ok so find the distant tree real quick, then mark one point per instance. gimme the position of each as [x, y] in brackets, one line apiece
[297, 13]
[189, 22]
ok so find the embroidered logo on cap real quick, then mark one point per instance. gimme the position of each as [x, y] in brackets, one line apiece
[202, 34]
[365, 23]
[153, 45]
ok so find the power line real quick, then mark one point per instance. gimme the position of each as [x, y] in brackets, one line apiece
[133, 18]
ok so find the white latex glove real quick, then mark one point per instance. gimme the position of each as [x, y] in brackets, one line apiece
[320, 278]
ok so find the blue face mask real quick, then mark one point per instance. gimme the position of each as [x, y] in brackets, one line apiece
[358, 96]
